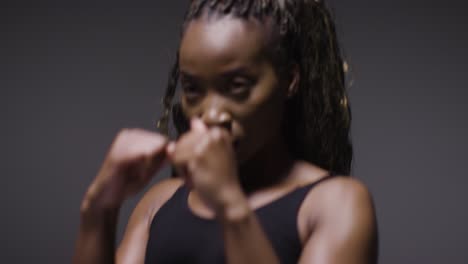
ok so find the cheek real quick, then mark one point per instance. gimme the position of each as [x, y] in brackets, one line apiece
[259, 127]
[263, 114]
[267, 116]
[267, 99]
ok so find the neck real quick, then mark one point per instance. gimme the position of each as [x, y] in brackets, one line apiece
[268, 167]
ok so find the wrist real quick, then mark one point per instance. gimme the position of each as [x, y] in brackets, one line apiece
[101, 197]
[93, 213]
[99, 220]
[234, 207]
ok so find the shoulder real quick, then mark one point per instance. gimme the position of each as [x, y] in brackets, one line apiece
[163, 189]
[152, 201]
[337, 191]
[157, 196]
[344, 210]
[133, 245]
[340, 198]
[343, 191]
[340, 216]
[330, 194]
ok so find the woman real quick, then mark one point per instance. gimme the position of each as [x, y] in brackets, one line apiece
[263, 121]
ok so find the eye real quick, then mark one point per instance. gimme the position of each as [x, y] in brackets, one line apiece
[191, 90]
[240, 86]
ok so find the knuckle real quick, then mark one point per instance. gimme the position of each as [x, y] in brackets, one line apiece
[216, 134]
[126, 132]
[192, 165]
[122, 133]
[142, 156]
[162, 140]
[199, 153]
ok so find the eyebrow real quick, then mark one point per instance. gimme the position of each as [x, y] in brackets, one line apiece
[226, 74]
[237, 71]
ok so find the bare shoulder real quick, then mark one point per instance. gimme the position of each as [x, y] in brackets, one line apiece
[340, 189]
[152, 201]
[165, 187]
[133, 245]
[157, 195]
[331, 196]
[341, 196]
[340, 216]
[334, 188]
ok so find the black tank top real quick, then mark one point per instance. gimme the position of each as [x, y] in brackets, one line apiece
[178, 236]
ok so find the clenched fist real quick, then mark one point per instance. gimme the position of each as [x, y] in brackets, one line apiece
[134, 157]
[205, 157]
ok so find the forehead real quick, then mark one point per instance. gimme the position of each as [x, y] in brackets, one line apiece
[222, 40]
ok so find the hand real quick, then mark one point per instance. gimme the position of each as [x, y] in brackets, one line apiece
[134, 157]
[205, 157]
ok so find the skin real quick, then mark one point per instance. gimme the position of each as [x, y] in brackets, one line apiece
[234, 159]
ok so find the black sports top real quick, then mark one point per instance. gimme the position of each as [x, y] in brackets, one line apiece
[178, 236]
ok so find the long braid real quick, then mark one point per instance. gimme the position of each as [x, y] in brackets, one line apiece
[163, 123]
[318, 117]
[319, 104]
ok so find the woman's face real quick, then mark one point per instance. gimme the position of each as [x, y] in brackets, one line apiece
[228, 80]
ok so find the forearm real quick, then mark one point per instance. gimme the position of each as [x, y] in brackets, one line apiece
[96, 238]
[244, 239]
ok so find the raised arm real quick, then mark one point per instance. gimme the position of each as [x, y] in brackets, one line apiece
[133, 159]
[205, 158]
[345, 231]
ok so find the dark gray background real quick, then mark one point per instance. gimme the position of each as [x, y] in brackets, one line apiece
[74, 73]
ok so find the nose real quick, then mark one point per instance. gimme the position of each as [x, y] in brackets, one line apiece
[216, 115]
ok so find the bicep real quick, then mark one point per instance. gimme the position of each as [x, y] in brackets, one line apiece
[347, 234]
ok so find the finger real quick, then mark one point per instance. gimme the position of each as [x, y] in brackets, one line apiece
[177, 160]
[157, 162]
[147, 141]
[202, 145]
[184, 148]
[156, 159]
[197, 125]
[156, 145]
[220, 134]
[149, 165]
[170, 148]
[182, 172]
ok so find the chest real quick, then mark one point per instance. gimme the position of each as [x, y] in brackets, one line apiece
[179, 236]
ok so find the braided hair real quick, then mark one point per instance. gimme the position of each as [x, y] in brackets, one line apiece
[318, 116]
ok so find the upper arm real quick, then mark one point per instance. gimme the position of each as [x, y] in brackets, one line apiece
[346, 229]
[132, 249]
